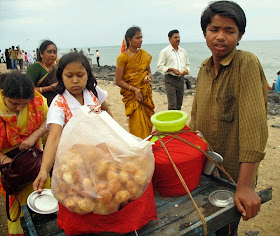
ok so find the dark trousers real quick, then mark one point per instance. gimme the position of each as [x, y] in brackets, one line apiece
[175, 91]
[97, 59]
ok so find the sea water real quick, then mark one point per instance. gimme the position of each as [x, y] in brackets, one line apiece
[268, 53]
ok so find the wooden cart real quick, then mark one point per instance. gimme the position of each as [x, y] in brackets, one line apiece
[176, 215]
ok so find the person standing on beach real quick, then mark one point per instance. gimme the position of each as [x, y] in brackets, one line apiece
[230, 104]
[20, 57]
[8, 60]
[1, 57]
[277, 84]
[174, 63]
[97, 57]
[89, 56]
[133, 76]
[13, 57]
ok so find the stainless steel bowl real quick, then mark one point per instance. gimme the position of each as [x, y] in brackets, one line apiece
[221, 198]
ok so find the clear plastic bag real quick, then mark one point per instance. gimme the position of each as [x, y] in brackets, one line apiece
[99, 166]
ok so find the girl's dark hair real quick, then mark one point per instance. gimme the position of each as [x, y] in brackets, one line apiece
[224, 8]
[16, 85]
[43, 47]
[130, 33]
[75, 57]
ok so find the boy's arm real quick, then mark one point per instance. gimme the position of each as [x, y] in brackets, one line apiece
[253, 132]
[246, 199]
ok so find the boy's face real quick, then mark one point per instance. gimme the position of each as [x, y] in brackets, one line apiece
[222, 36]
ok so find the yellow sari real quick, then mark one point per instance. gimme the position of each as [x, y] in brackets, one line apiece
[14, 129]
[139, 113]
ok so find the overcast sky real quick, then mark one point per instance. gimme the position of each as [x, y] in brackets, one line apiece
[91, 23]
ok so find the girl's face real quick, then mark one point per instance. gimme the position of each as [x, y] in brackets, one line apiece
[16, 105]
[75, 77]
[136, 40]
[49, 55]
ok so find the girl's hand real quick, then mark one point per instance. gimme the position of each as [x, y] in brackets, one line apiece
[139, 96]
[39, 182]
[27, 143]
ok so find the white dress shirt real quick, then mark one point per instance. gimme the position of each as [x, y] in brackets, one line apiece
[170, 58]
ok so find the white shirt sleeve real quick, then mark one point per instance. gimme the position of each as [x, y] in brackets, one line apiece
[102, 94]
[55, 114]
[161, 65]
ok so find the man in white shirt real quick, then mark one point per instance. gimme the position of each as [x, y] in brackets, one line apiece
[89, 56]
[174, 63]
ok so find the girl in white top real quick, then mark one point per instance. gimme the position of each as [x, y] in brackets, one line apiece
[76, 87]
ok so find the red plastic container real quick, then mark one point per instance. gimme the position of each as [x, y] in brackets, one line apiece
[188, 160]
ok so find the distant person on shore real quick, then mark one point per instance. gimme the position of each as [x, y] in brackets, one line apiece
[20, 57]
[2, 57]
[26, 60]
[89, 56]
[75, 50]
[13, 57]
[8, 60]
[230, 104]
[30, 57]
[277, 84]
[36, 54]
[134, 82]
[97, 57]
[174, 63]
[43, 72]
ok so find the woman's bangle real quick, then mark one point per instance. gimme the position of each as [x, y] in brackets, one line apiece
[41, 90]
[43, 131]
[129, 87]
[3, 158]
[137, 91]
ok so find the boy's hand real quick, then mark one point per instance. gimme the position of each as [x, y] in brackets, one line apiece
[247, 201]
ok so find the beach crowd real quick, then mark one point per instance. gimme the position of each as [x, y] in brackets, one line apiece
[229, 109]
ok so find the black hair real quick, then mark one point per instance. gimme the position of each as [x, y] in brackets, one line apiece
[278, 73]
[130, 33]
[70, 58]
[170, 34]
[224, 8]
[43, 48]
[17, 85]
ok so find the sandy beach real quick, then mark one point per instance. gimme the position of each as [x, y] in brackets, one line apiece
[267, 222]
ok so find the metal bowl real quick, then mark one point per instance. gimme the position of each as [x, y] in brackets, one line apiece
[42, 203]
[221, 198]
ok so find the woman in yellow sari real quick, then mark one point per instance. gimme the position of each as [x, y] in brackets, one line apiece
[133, 76]
[23, 113]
